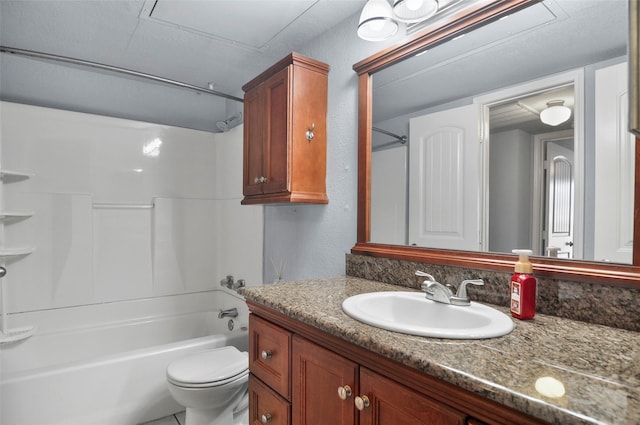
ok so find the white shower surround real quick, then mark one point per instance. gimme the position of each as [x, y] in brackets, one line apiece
[91, 246]
[117, 232]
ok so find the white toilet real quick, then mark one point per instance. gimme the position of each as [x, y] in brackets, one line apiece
[212, 385]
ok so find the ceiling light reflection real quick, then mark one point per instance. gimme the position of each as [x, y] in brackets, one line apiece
[550, 387]
[152, 148]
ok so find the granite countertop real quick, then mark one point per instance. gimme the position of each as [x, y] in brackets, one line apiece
[598, 366]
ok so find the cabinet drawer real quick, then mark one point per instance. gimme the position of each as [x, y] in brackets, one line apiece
[265, 406]
[270, 354]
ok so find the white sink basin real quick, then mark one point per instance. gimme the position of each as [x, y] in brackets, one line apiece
[412, 313]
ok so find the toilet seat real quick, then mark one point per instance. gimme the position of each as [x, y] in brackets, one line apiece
[210, 368]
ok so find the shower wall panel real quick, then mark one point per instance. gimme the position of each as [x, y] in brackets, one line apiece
[123, 209]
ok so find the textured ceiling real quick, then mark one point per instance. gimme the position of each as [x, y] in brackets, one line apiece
[223, 42]
[228, 42]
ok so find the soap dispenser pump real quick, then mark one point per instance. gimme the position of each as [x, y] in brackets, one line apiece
[523, 287]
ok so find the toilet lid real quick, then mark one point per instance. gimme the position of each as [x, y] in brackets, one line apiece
[209, 366]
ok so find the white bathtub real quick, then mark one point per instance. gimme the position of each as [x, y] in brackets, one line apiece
[85, 367]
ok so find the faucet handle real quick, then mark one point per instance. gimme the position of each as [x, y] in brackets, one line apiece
[462, 290]
[228, 281]
[420, 273]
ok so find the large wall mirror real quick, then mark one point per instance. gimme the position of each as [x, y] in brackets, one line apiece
[460, 161]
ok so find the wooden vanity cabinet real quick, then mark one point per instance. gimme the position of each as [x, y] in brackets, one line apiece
[330, 389]
[331, 381]
[285, 135]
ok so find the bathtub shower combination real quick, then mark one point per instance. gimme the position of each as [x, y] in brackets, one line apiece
[84, 368]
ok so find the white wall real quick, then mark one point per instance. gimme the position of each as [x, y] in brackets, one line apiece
[389, 195]
[90, 248]
[510, 195]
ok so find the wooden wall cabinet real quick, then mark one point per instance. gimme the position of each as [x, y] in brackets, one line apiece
[285, 137]
[330, 381]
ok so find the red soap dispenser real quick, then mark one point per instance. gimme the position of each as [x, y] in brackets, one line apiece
[523, 287]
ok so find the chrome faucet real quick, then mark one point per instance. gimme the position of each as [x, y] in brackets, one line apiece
[231, 284]
[230, 312]
[227, 281]
[438, 292]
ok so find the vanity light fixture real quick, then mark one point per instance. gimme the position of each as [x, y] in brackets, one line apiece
[555, 113]
[376, 21]
[410, 11]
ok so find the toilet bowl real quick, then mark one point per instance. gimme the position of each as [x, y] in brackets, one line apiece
[212, 386]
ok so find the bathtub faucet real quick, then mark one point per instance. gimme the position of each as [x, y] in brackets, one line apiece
[230, 312]
[231, 284]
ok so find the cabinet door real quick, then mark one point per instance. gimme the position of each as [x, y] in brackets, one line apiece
[254, 136]
[391, 403]
[317, 374]
[275, 150]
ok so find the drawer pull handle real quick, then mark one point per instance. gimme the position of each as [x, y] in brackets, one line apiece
[266, 354]
[362, 402]
[344, 392]
[266, 418]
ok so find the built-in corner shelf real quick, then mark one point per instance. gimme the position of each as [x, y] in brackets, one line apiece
[10, 176]
[16, 334]
[14, 215]
[16, 252]
[8, 335]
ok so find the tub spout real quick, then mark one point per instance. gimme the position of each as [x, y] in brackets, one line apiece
[230, 312]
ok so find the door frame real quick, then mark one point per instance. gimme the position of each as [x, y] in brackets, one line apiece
[486, 101]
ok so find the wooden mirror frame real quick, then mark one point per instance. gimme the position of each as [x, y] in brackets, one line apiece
[480, 13]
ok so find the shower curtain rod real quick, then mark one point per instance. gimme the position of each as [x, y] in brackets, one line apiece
[73, 61]
[399, 139]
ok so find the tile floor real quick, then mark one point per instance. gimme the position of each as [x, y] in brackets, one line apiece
[177, 419]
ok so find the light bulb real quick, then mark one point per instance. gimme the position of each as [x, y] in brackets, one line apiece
[414, 4]
[411, 11]
[376, 24]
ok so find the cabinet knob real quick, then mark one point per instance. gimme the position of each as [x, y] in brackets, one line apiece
[266, 354]
[344, 392]
[362, 402]
[261, 179]
[256, 180]
[309, 134]
[266, 418]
